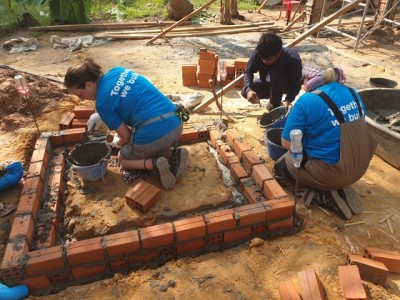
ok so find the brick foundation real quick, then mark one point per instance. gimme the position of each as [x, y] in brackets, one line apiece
[34, 258]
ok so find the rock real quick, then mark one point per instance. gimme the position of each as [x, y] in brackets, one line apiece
[256, 242]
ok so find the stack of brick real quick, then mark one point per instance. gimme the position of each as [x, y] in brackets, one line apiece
[78, 118]
[240, 66]
[189, 75]
[206, 67]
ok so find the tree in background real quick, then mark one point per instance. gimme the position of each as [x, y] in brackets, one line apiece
[178, 9]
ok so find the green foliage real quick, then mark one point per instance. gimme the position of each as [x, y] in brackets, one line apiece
[82, 11]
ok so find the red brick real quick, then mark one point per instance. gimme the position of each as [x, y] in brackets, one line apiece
[46, 236]
[236, 235]
[273, 190]
[122, 243]
[280, 208]
[73, 135]
[40, 155]
[370, 270]
[189, 69]
[220, 221]
[79, 123]
[250, 190]
[190, 82]
[189, 135]
[233, 159]
[238, 172]
[281, 225]
[83, 111]
[36, 283]
[142, 196]
[249, 159]
[287, 290]
[66, 120]
[45, 260]
[191, 228]
[148, 257]
[206, 67]
[215, 135]
[157, 235]
[311, 287]
[43, 143]
[23, 226]
[118, 263]
[391, 259]
[225, 152]
[207, 55]
[240, 147]
[28, 204]
[251, 214]
[260, 174]
[11, 267]
[87, 271]
[190, 246]
[89, 250]
[36, 169]
[231, 136]
[33, 185]
[351, 283]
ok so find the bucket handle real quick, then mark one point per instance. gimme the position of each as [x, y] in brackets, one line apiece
[102, 166]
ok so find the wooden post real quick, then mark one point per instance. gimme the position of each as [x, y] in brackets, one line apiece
[231, 85]
[180, 21]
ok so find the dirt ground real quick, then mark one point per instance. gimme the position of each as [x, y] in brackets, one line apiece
[252, 270]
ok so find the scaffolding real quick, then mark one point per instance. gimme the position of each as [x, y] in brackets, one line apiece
[384, 12]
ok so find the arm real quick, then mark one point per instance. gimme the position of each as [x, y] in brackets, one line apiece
[124, 133]
[294, 74]
[285, 143]
[249, 74]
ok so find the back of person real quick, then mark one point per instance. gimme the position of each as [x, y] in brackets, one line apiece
[321, 129]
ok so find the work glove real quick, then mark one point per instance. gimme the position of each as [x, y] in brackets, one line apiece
[115, 141]
[94, 122]
[252, 97]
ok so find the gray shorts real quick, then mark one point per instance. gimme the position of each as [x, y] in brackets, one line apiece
[132, 151]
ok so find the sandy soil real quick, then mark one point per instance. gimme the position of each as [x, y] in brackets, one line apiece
[252, 270]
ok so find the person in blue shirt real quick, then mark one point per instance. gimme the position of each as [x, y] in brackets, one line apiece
[337, 146]
[279, 69]
[144, 119]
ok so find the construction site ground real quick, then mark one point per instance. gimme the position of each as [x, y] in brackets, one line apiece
[254, 269]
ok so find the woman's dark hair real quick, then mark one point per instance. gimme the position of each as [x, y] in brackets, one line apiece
[269, 45]
[77, 76]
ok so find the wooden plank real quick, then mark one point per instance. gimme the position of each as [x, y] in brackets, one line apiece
[103, 26]
[181, 21]
[325, 21]
[186, 34]
[222, 91]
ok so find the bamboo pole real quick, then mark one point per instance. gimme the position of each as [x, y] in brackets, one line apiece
[184, 34]
[102, 26]
[182, 20]
[261, 6]
[231, 85]
[195, 28]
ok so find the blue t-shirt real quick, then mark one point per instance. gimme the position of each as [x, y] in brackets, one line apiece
[320, 127]
[125, 96]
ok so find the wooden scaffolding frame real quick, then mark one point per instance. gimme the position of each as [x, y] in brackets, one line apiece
[367, 5]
